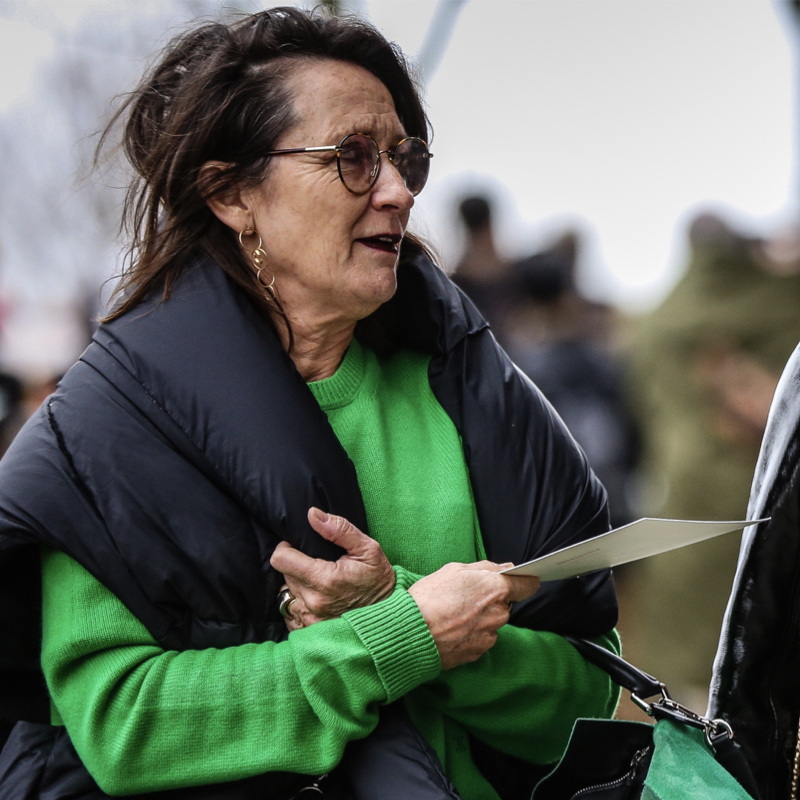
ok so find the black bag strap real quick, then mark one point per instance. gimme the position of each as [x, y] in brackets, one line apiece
[619, 670]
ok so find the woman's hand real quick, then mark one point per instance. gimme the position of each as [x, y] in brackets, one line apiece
[326, 589]
[464, 606]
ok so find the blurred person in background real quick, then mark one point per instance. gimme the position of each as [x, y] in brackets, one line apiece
[561, 341]
[20, 671]
[20, 645]
[274, 496]
[704, 368]
[20, 651]
[488, 278]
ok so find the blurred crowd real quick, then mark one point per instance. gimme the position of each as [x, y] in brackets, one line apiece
[669, 408]
[20, 673]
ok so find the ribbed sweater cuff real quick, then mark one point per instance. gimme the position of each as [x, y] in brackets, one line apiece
[405, 579]
[397, 637]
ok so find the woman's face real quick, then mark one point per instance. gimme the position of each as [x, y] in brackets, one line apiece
[333, 253]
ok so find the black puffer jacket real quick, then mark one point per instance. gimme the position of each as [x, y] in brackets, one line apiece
[184, 445]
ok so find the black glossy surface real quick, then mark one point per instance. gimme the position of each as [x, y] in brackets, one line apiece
[756, 683]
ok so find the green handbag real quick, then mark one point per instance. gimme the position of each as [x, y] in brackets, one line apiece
[683, 756]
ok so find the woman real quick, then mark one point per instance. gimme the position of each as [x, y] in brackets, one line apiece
[293, 412]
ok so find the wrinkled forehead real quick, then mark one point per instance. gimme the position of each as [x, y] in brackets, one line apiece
[334, 98]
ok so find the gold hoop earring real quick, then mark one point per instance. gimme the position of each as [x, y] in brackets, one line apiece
[267, 286]
[247, 231]
[258, 257]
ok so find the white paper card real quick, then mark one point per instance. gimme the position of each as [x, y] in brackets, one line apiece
[640, 539]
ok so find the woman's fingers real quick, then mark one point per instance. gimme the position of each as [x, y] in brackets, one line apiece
[290, 561]
[299, 614]
[342, 532]
[520, 587]
[327, 589]
[464, 605]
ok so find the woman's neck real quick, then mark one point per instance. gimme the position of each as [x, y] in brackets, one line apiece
[317, 349]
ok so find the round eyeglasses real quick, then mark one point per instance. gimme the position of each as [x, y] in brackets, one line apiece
[358, 159]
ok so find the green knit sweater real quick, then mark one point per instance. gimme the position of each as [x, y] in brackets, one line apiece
[144, 719]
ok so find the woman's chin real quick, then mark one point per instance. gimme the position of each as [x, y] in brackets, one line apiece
[377, 289]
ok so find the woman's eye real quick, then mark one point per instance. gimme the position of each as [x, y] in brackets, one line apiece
[352, 155]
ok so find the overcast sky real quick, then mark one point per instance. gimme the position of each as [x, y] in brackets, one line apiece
[622, 117]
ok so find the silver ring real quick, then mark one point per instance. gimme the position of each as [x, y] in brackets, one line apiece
[285, 600]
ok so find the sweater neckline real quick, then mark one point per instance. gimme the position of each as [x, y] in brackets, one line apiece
[341, 388]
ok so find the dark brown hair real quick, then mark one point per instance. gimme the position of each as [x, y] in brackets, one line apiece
[219, 93]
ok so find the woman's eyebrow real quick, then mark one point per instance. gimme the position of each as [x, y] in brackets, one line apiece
[368, 129]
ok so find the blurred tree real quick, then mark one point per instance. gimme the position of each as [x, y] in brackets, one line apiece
[59, 220]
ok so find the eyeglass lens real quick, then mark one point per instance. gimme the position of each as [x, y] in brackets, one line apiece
[359, 163]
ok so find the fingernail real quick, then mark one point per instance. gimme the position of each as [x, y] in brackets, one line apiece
[507, 565]
[320, 515]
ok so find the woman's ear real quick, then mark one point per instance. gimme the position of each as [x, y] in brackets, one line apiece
[228, 205]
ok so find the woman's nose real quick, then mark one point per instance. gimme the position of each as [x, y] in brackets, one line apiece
[390, 188]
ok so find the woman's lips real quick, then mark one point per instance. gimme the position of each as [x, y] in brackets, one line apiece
[386, 244]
